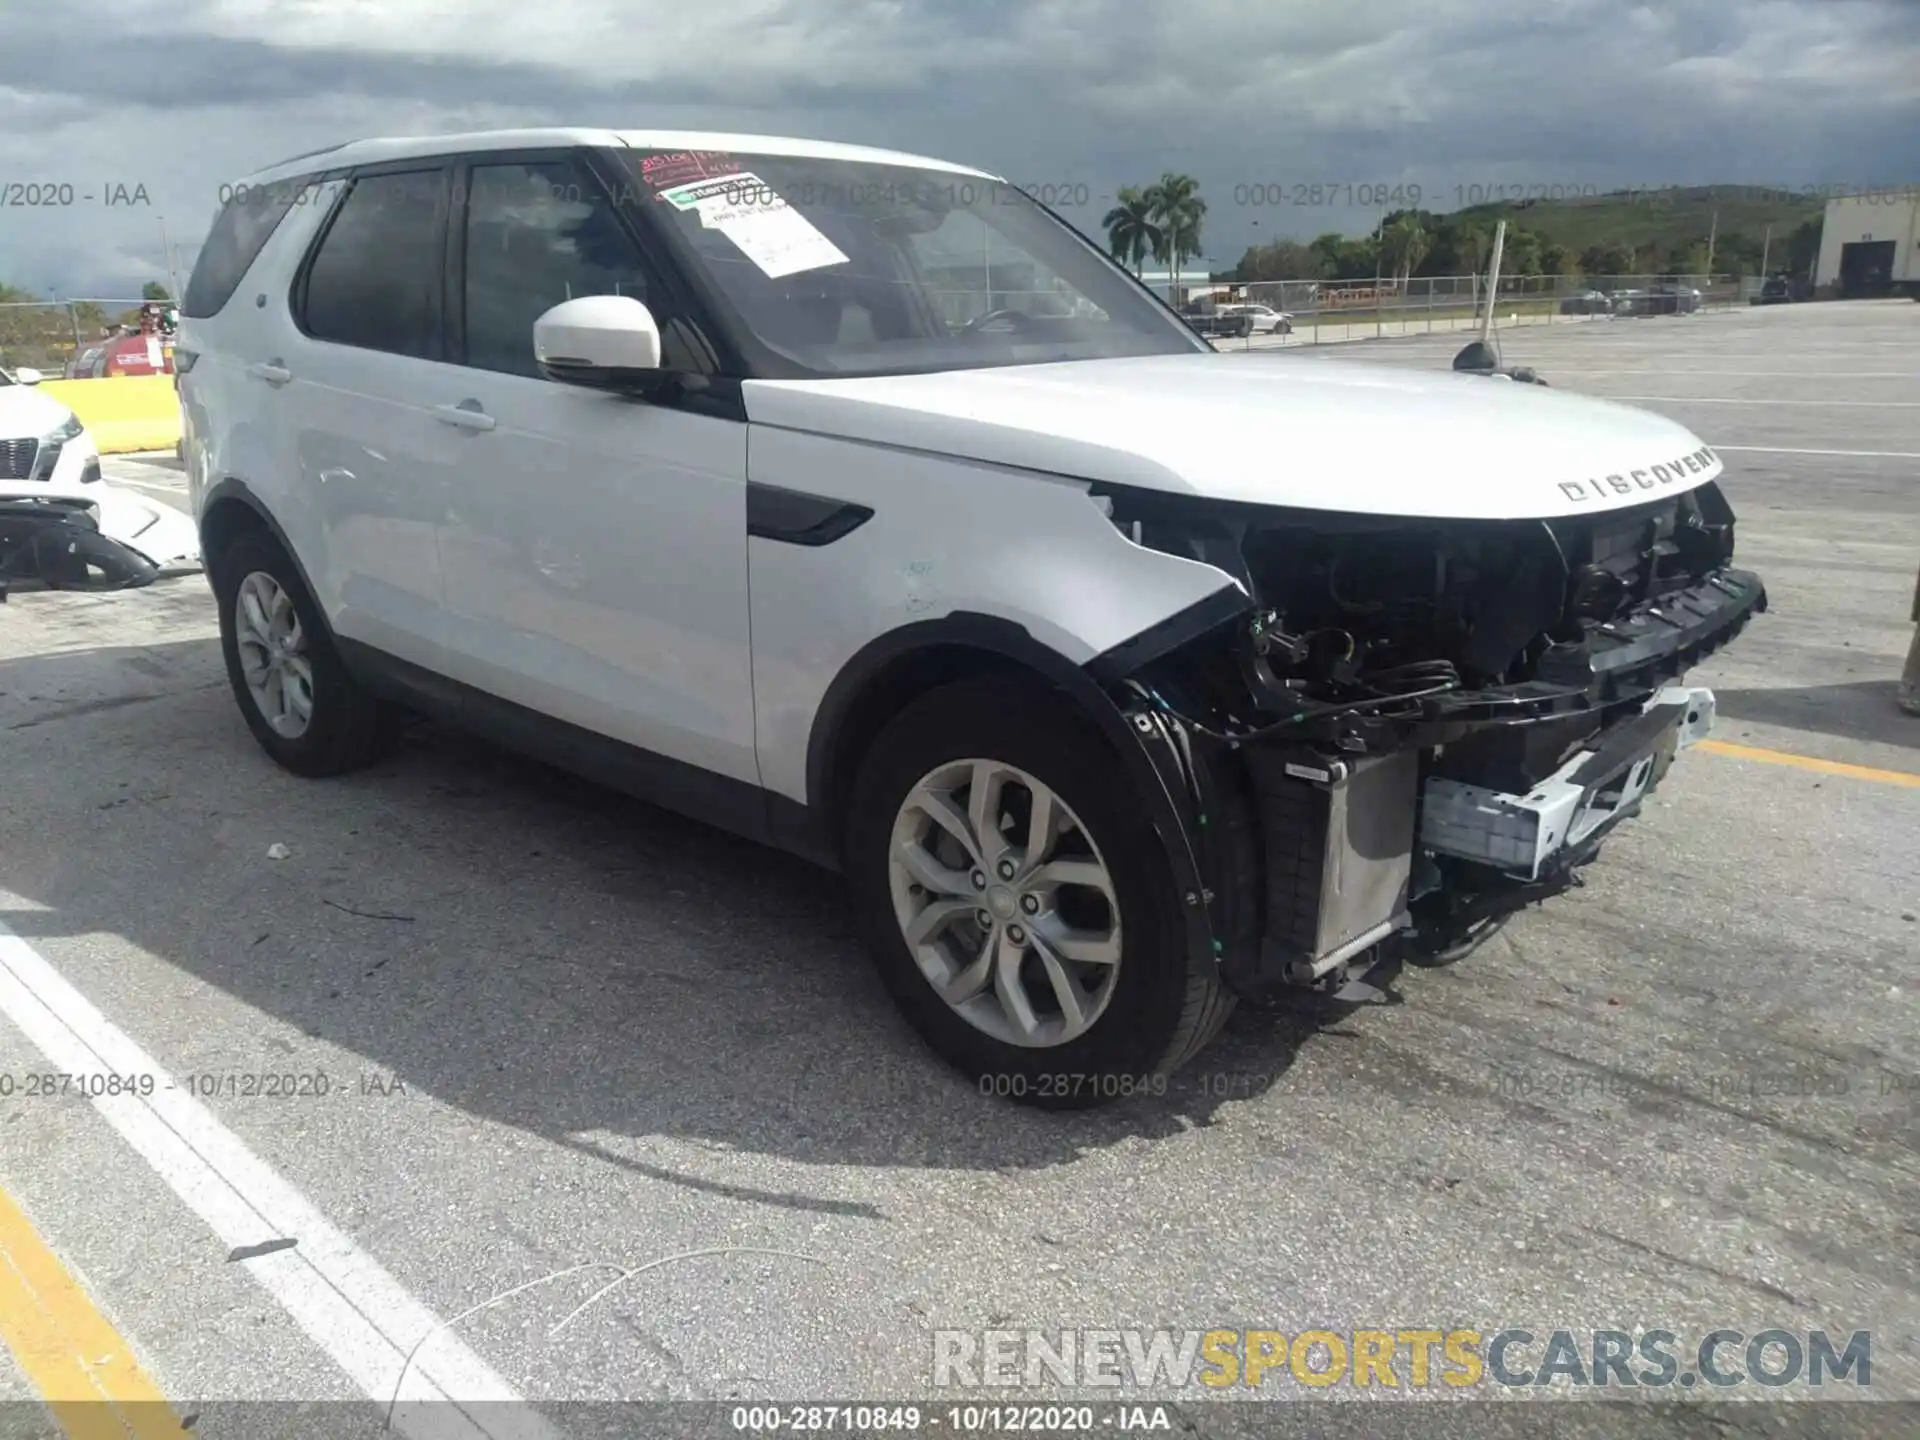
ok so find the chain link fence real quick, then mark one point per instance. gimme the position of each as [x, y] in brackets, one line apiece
[56, 336]
[1326, 311]
[53, 336]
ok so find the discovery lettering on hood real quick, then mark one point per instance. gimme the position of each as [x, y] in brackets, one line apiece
[1652, 478]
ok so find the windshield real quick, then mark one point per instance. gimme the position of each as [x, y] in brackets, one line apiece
[835, 267]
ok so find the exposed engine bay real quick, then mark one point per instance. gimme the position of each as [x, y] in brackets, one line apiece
[1430, 723]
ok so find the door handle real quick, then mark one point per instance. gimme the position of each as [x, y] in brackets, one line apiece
[467, 415]
[271, 371]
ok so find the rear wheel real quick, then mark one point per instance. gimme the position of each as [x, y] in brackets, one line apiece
[303, 707]
[1018, 903]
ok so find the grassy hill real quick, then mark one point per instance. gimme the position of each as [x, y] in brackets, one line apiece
[1624, 233]
[1671, 219]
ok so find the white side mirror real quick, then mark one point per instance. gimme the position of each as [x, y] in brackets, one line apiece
[28, 376]
[607, 342]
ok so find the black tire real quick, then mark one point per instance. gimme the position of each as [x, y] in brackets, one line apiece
[1166, 1005]
[350, 728]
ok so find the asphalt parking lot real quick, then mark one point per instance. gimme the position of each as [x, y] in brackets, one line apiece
[561, 1030]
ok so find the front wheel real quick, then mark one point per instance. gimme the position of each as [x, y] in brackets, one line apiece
[1018, 903]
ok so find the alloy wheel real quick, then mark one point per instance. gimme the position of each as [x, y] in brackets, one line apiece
[1005, 902]
[273, 654]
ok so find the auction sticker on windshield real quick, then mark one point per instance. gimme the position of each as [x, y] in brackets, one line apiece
[769, 232]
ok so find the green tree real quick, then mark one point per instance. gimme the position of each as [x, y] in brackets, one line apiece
[1341, 258]
[1178, 211]
[1327, 250]
[1738, 253]
[154, 290]
[1442, 255]
[1473, 245]
[33, 330]
[1347, 259]
[1802, 249]
[1278, 260]
[1404, 243]
[1132, 233]
[1606, 260]
[1521, 253]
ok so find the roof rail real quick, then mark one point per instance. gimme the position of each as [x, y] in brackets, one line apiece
[307, 155]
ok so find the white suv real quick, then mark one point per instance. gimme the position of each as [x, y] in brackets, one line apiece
[855, 502]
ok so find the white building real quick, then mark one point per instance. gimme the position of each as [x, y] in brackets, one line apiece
[1190, 281]
[1868, 243]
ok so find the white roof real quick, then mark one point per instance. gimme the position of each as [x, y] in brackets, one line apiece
[409, 147]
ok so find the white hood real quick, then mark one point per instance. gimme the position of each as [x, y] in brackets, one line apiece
[1271, 430]
[27, 414]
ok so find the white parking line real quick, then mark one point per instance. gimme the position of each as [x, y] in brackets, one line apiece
[1851, 454]
[339, 1295]
[1718, 373]
[157, 488]
[1702, 400]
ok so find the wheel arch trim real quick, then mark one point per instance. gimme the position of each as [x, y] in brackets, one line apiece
[232, 490]
[828, 770]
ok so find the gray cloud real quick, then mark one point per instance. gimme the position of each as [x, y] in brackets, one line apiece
[1444, 93]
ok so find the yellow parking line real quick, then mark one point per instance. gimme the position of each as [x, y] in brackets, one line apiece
[81, 1366]
[1807, 762]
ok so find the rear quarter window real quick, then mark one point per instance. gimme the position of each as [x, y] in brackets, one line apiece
[241, 230]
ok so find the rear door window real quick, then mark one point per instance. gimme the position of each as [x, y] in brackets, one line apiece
[374, 282]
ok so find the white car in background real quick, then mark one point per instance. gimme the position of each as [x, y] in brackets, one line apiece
[1266, 320]
[47, 454]
[42, 442]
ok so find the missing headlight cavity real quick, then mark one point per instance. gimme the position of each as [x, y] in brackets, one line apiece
[1365, 619]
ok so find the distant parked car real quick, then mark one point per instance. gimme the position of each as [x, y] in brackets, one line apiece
[1221, 322]
[1266, 319]
[1587, 302]
[1776, 291]
[1672, 300]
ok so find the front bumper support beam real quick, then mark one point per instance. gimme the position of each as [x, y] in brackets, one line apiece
[1591, 793]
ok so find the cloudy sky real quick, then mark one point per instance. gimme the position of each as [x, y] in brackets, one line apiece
[174, 97]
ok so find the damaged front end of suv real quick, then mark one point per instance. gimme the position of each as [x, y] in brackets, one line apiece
[1405, 729]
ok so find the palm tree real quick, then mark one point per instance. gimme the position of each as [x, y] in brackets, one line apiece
[1177, 211]
[1473, 241]
[1404, 244]
[1132, 233]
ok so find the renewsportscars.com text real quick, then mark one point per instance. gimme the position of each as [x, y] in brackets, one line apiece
[1420, 1357]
